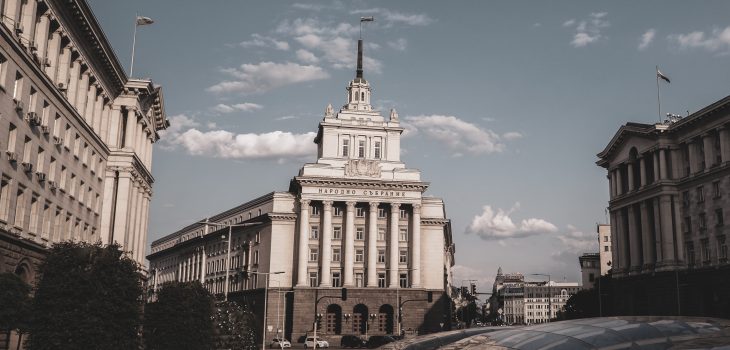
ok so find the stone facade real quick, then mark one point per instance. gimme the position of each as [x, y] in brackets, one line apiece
[356, 218]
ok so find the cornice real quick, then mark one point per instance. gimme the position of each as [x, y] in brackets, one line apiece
[434, 221]
[365, 183]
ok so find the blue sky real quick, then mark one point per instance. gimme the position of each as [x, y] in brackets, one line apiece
[506, 103]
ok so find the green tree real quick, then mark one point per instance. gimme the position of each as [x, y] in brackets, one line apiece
[87, 297]
[581, 305]
[180, 318]
[14, 303]
[234, 327]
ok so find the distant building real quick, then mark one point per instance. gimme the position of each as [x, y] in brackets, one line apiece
[590, 269]
[669, 194]
[604, 247]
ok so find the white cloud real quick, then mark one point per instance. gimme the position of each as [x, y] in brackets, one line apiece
[460, 136]
[398, 45]
[716, 41]
[183, 134]
[287, 117]
[392, 17]
[318, 7]
[512, 135]
[258, 40]
[588, 31]
[646, 38]
[243, 107]
[577, 242]
[496, 225]
[265, 76]
[306, 56]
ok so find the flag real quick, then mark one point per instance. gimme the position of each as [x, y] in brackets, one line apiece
[141, 20]
[662, 76]
[367, 19]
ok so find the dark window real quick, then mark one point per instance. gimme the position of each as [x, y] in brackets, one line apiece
[719, 217]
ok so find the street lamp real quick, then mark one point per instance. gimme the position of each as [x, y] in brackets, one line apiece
[550, 294]
[266, 300]
[367, 323]
[228, 251]
[278, 302]
[397, 302]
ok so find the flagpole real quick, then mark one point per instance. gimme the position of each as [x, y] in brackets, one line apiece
[134, 42]
[658, 101]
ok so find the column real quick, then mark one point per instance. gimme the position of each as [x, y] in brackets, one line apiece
[129, 242]
[724, 144]
[630, 174]
[663, 164]
[613, 217]
[657, 232]
[655, 154]
[303, 242]
[619, 182]
[41, 35]
[203, 266]
[11, 13]
[82, 93]
[676, 231]
[90, 104]
[646, 237]
[393, 263]
[621, 242]
[416, 253]
[326, 280]
[98, 110]
[693, 162]
[54, 52]
[642, 172]
[709, 151]
[106, 208]
[130, 129]
[634, 239]
[139, 248]
[28, 19]
[349, 244]
[122, 207]
[611, 184]
[72, 80]
[372, 246]
[665, 207]
[112, 127]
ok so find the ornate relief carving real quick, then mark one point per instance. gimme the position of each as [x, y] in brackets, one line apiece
[362, 167]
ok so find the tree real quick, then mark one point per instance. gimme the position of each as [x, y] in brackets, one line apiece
[234, 327]
[181, 318]
[87, 297]
[582, 304]
[14, 303]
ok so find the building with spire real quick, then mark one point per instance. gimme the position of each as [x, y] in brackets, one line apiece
[356, 218]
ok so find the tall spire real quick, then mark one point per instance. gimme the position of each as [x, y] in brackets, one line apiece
[358, 73]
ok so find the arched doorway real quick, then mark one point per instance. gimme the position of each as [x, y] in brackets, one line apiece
[385, 319]
[334, 319]
[359, 319]
[24, 271]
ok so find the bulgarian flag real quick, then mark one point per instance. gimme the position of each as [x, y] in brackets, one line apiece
[659, 75]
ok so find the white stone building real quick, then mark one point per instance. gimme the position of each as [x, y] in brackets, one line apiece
[356, 218]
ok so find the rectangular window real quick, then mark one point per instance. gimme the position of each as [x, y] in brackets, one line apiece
[256, 257]
[605, 238]
[690, 253]
[338, 211]
[361, 149]
[403, 214]
[685, 199]
[44, 114]
[381, 234]
[687, 224]
[67, 137]
[337, 232]
[4, 199]
[359, 255]
[377, 150]
[359, 280]
[336, 279]
[381, 280]
[722, 248]
[716, 192]
[12, 134]
[705, 251]
[403, 257]
[381, 213]
[700, 195]
[719, 219]
[360, 212]
[702, 222]
[257, 239]
[27, 150]
[404, 280]
[606, 248]
[20, 208]
[403, 237]
[345, 147]
[18, 86]
[32, 100]
[335, 254]
[313, 254]
[314, 210]
[313, 280]
[33, 224]
[3, 70]
[381, 255]
[314, 232]
[360, 233]
[40, 161]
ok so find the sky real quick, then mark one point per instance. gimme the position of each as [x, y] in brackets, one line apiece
[505, 104]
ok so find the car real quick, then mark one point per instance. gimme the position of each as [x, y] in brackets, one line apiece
[352, 341]
[379, 340]
[310, 341]
[280, 343]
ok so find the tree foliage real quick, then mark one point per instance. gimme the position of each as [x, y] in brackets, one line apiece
[14, 303]
[582, 304]
[87, 297]
[180, 318]
[234, 327]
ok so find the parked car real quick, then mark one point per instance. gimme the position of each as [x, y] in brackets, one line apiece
[352, 341]
[280, 343]
[379, 340]
[310, 341]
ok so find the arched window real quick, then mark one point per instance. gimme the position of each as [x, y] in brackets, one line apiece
[356, 96]
[363, 97]
[359, 319]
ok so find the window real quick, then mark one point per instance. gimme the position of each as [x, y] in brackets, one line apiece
[313, 254]
[44, 114]
[338, 211]
[403, 214]
[381, 213]
[381, 280]
[716, 192]
[719, 218]
[705, 250]
[403, 257]
[381, 234]
[381, 255]
[361, 149]
[359, 280]
[336, 279]
[606, 248]
[336, 254]
[700, 195]
[256, 257]
[40, 160]
[722, 248]
[403, 280]
[4, 199]
[314, 232]
[703, 222]
[313, 280]
[359, 255]
[360, 233]
[377, 150]
[337, 232]
[33, 99]
[57, 126]
[403, 235]
[17, 86]
[314, 210]
[685, 199]
[20, 207]
[690, 253]
[258, 237]
[687, 224]
[605, 238]
[12, 134]
[3, 70]
[26, 150]
[345, 147]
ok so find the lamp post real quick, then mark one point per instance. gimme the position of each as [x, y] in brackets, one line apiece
[228, 251]
[398, 304]
[278, 301]
[266, 300]
[367, 323]
[550, 294]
